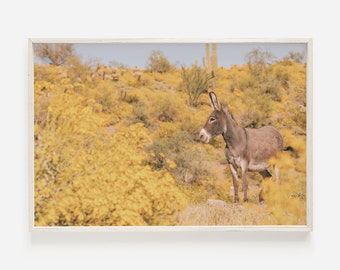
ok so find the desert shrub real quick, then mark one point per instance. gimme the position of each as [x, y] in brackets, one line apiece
[166, 108]
[106, 99]
[195, 82]
[50, 74]
[286, 200]
[271, 86]
[77, 71]
[157, 62]
[76, 184]
[54, 53]
[180, 149]
[191, 126]
[140, 114]
[130, 98]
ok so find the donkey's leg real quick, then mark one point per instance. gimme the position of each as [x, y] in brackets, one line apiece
[244, 169]
[261, 199]
[235, 181]
[277, 173]
[265, 175]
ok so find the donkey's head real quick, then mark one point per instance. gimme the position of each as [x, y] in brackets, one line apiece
[216, 123]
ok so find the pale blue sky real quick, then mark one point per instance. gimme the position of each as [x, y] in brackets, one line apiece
[136, 54]
[186, 54]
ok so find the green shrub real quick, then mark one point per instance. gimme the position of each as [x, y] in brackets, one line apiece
[195, 82]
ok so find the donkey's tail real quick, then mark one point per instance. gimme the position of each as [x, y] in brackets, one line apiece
[288, 148]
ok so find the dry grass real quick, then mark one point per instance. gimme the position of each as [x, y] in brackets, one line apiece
[216, 212]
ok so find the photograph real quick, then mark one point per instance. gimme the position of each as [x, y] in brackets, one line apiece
[170, 135]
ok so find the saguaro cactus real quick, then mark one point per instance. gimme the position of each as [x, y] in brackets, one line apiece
[210, 59]
[214, 58]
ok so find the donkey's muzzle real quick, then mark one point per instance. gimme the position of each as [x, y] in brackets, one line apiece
[204, 136]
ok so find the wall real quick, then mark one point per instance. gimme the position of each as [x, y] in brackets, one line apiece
[20, 20]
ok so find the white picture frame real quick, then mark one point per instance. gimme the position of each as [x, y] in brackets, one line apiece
[307, 227]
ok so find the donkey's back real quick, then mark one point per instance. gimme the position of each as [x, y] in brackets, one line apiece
[262, 144]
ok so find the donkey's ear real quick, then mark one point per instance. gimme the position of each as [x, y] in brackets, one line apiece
[216, 105]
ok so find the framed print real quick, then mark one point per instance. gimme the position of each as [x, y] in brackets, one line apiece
[175, 135]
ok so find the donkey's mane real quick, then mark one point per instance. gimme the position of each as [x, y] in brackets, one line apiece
[228, 112]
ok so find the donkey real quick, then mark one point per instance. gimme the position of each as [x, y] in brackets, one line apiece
[246, 148]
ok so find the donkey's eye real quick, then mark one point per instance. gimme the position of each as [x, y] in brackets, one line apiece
[212, 119]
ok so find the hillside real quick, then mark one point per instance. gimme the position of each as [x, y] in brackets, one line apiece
[118, 146]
